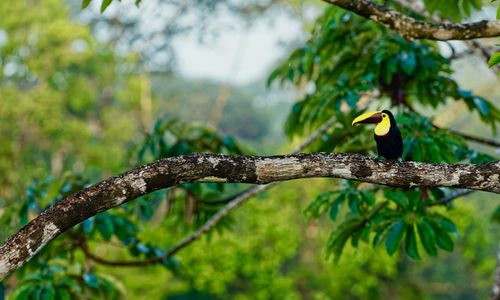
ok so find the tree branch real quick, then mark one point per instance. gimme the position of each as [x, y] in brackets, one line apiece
[452, 196]
[306, 143]
[469, 137]
[474, 138]
[206, 167]
[419, 8]
[411, 28]
[231, 203]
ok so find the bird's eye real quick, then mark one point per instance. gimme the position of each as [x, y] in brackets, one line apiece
[384, 115]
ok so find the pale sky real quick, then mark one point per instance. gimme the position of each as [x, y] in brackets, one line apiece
[237, 56]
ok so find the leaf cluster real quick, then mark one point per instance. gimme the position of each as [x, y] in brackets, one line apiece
[400, 220]
[346, 60]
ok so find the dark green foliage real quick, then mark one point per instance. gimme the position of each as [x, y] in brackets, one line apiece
[394, 236]
[171, 137]
[411, 242]
[391, 224]
[346, 57]
[494, 59]
[63, 282]
[496, 215]
[424, 142]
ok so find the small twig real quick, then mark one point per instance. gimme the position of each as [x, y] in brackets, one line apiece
[477, 139]
[452, 196]
[470, 137]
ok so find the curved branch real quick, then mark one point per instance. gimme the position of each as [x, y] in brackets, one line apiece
[469, 137]
[206, 167]
[452, 196]
[237, 201]
[411, 28]
[477, 139]
[231, 203]
[306, 143]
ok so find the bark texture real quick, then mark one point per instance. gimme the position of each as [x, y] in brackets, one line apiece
[205, 167]
[411, 28]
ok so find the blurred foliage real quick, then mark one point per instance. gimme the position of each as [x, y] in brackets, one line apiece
[104, 4]
[495, 58]
[249, 114]
[74, 111]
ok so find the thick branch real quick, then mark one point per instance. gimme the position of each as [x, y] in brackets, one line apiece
[205, 167]
[412, 28]
[231, 203]
[418, 7]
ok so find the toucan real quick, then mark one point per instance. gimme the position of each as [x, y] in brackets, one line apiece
[387, 134]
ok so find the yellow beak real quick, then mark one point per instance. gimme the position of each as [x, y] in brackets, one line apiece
[369, 117]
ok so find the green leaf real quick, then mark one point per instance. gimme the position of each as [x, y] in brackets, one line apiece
[446, 224]
[396, 233]
[337, 245]
[408, 62]
[49, 293]
[105, 226]
[334, 209]
[85, 3]
[69, 283]
[399, 198]
[63, 294]
[88, 225]
[443, 238]
[495, 58]
[411, 242]
[24, 292]
[339, 237]
[354, 203]
[105, 4]
[495, 217]
[427, 237]
[91, 280]
[482, 106]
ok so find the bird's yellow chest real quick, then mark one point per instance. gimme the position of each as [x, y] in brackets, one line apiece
[383, 127]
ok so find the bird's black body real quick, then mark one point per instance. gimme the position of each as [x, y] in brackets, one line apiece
[387, 134]
[390, 145]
